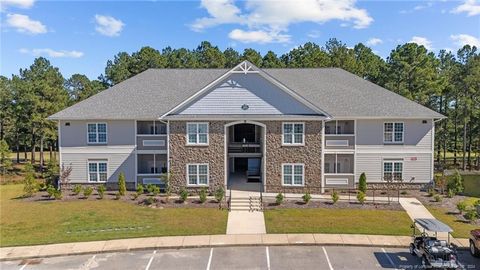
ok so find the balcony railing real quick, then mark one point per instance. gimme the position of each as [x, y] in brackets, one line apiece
[247, 147]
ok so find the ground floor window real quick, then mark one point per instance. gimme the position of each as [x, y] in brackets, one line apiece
[392, 170]
[97, 170]
[197, 174]
[293, 174]
[339, 163]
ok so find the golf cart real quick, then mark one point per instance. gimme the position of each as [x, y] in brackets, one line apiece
[435, 253]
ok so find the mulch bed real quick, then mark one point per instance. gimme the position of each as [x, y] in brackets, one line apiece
[159, 201]
[271, 204]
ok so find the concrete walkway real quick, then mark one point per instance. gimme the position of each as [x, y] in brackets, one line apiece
[245, 222]
[16, 253]
[415, 208]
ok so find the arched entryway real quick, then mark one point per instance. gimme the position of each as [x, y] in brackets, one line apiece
[245, 155]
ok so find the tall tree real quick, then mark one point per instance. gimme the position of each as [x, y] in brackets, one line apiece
[340, 55]
[209, 56]
[119, 69]
[368, 65]
[80, 87]
[232, 57]
[6, 105]
[253, 56]
[145, 58]
[310, 55]
[270, 60]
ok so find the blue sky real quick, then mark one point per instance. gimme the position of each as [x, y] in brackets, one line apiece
[80, 36]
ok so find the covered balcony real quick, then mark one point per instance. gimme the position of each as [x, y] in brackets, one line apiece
[339, 169]
[340, 134]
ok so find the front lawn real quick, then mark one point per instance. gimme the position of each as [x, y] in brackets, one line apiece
[28, 223]
[460, 228]
[350, 221]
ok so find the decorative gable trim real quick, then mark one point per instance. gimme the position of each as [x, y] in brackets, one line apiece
[246, 67]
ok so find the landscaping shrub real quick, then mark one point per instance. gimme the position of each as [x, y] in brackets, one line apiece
[471, 215]
[450, 193]
[134, 196]
[404, 192]
[149, 201]
[437, 198]
[279, 198]
[361, 197]
[51, 191]
[87, 192]
[58, 194]
[362, 183]
[140, 189]
[431, 192]
[52, 172]
[461, 206]
[42, 187]
[77, 189]
[183, 195]
[101, 191]
[122, 186]
[155, 190]
[456, 182]
[335, 197]
[306, 197]
[203, 195]
[476, 203]
[117, 196]
[150, 188]
[219, 194]
[30, 184]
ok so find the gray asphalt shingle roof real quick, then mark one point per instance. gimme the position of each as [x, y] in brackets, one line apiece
[154, 92]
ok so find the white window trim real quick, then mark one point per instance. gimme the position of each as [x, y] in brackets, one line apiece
[393, 132]
[96, 133]
[393, 168]
[94, 161]
[197, 143]
[293, 143]
[197, 184]
[293, 175]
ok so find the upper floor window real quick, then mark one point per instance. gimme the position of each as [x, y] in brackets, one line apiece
[97, 171]
[293, 133]
[97, 133]
[197, 133]
[393, 132]
[293, 174]
[197, 174]
[151, 128]
[392, 170]
[340, 127]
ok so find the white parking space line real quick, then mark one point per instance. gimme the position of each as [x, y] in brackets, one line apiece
[151, 260]
[268, 258]
[389, 259]
[210, 259]
[328, 259]
[89, 262]
[23, 266]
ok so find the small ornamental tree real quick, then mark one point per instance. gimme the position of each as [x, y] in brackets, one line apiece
[52, 172]
[203, 195]
[122, 186]
[461, 206]
[361, 197]
[362, 183]
[30, 184]
[140, 189]
[335, 197]
[457, 182]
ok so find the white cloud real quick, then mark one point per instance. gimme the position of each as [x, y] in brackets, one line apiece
[471, 7]
[16, 3]
[374, 42]
[276, 16]
[417, 8]
[258, 36]
[422, 41]
[314, 34]
[463, 39]
[24, 24]
[108, 26]
[52, 53]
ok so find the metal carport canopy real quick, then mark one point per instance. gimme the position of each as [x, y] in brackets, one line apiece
[433, 225]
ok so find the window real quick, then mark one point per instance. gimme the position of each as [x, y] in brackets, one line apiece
[292, 174]
[340, 127]
[197, 133]
[197, 174]
[392, 170]
[97, 133]
[339, 163]
[393, 132]
[97, 171]
[293, 133]
[151, 128]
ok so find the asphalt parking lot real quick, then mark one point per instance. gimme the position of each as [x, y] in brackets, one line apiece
[256, 257]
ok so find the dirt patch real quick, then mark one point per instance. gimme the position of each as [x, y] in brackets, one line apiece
[271, 204]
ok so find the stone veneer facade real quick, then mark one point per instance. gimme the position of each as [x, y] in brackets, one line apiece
[214, 154]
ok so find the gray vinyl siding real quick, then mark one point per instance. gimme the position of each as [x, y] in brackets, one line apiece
[119, 132]
[330, 178]
[372, 165]
[117, 162]
[370, 133]
[262, 97]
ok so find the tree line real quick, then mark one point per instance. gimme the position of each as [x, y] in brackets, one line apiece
[447, 82]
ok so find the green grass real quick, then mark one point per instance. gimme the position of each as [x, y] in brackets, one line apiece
[460, 228]
[472, 185]
[351, 221]
[28, 223]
